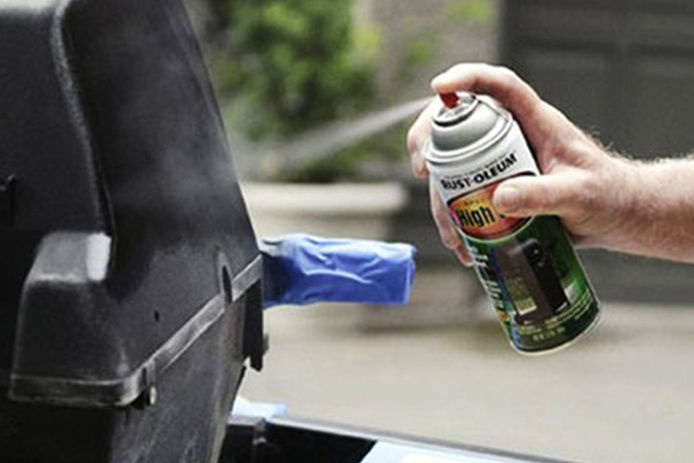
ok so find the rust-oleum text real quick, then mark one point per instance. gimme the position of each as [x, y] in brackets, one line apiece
[480, 177]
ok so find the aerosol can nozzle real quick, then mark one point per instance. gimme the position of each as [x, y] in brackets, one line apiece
[450, 100]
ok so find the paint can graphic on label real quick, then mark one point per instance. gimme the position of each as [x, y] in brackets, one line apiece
[527, 266]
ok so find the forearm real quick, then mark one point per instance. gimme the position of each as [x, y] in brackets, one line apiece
[659, 210]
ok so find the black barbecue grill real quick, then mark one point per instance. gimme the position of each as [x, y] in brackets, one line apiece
[130, 278]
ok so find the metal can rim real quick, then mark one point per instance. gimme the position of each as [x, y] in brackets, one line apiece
[472, 150]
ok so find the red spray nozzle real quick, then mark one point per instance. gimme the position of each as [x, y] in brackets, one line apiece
[450, 100]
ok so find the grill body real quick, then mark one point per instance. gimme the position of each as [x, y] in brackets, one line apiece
[130, 276]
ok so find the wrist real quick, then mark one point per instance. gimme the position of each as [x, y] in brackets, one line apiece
[635, 193]
[626, 200]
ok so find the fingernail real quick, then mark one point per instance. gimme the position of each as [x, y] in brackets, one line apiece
[450, 240]
[419, 167]
[463, 258]
[507, 198]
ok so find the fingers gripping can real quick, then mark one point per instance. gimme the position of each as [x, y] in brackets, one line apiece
[527, 266]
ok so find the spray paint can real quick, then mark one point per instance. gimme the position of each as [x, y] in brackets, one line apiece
[527, 266]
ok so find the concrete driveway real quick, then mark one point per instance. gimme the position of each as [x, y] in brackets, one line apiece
[621, 395]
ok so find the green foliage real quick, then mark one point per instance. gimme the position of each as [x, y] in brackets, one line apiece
[479, 11]
[284, 67]
[293, 64]
[418, 49]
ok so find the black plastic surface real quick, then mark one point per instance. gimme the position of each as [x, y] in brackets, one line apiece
[129, 288]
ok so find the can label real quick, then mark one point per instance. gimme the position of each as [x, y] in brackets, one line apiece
[527, 266]
[476, 217]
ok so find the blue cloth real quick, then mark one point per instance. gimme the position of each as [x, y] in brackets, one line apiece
[302, 269]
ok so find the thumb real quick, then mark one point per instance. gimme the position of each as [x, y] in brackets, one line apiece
[557, 194]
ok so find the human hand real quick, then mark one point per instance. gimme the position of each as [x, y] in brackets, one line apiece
[590, 190]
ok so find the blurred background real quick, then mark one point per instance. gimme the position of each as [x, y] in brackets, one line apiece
[318, 96]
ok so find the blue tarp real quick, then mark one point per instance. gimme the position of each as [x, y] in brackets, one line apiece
[302, 269]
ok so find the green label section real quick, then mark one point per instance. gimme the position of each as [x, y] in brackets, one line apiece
[537, 285]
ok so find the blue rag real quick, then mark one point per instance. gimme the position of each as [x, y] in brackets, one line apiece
[302, 269]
